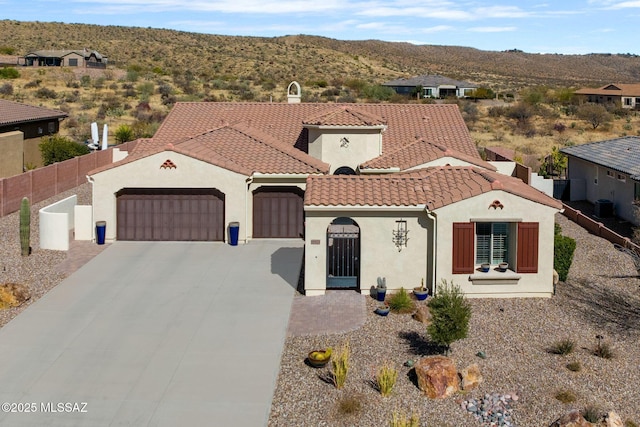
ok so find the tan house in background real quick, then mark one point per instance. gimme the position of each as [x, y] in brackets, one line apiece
[390, 190]
[625, 95]
[65, 58]
[21, 127]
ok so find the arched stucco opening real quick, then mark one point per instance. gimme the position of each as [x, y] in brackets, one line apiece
[343, 254]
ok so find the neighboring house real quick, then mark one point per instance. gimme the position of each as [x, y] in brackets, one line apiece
[606, 172]
[433, 86]
[626, 95]
[66, 58]
[21, 127]
[393, 190]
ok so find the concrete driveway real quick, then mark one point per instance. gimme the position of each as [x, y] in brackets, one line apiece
[158, 334]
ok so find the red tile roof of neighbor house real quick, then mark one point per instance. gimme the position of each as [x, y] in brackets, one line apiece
[15, 112]
[285, 122]
[418, 153]
[616, 89]
[238, 148]
[433, 187]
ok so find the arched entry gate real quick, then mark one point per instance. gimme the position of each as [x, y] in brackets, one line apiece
[343, 254]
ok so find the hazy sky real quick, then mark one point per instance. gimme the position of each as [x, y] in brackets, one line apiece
[560, 26]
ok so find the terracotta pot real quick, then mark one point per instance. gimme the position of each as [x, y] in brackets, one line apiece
[318, 363]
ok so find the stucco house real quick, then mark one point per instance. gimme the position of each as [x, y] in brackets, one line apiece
[433, 86]
[85, 58]
[606, 172]
[625, 95]
[21, 127]
[393, 190]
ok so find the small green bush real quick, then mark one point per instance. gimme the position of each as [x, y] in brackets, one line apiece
[563, 247]
[574, 366]
[603, 350]
[450, 315]
[386, 379]
[9, 73]
[401, 302]
[124, 133]
[401, 420]
[562, 347]
[592, 414]
[566, 396]
[58, 148]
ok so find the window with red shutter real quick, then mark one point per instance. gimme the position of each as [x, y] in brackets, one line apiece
[527, 261]
[463, 243]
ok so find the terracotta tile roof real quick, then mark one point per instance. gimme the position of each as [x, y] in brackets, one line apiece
[345, 116]
[433, 187]
[285, 122]
[14, 113]
[418, 153]
[615, 89]
[238, 148]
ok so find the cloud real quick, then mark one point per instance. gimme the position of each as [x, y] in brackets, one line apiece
[492, 29]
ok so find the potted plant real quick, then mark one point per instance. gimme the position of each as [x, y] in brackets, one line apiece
[382, 310]
[319, 358]
[421, 292]
[381, 289]
[484, 267]
[503, 266]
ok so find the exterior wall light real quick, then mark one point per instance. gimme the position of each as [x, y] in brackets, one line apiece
[400, 234]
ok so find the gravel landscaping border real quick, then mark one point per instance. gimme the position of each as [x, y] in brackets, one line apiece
[601, 297]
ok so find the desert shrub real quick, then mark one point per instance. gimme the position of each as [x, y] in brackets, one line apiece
[33, 84]
[350, 405]
[57, 148]
[378, 93]
[6, 89]
[9, 73]
[401, 302]
[7, 50]
[450, 315]
[146, 90]
[386, 378]
[85, 80]
[340, 365]
[99, 82]
[565, 396]
[497, 111]
[401, 420]
[124, 133]
[594, 114]
[603, 350]
[46, 93]
[629, 423]
[592, 414]
[563, 249]
[559, 127]
[574, 366]
[562, 347]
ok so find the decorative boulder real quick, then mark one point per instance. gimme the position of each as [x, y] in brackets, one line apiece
[614, 420]
[556, 277]
[13, 294]
[572, 419]
[471, 377]
[422, 314]
[437, 376]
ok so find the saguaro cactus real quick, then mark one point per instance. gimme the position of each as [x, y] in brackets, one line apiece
[25, 226]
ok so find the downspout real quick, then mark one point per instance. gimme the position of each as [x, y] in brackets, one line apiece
[249, 181]
[93, 215]
[434, 218]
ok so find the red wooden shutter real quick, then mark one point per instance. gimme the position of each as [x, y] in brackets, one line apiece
[527, 261]
[463, 238]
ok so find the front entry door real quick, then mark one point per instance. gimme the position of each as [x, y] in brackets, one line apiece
[343, 254]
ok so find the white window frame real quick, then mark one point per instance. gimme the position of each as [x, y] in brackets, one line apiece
[498, 242]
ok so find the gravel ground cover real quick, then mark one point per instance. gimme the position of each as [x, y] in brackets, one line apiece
[600, 298]
[38, 269]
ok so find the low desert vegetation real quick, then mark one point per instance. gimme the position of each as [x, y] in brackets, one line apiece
[563, 347]
[401, 302]
[450, 313]
[386, 378]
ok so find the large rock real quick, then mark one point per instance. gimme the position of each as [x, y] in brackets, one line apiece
[422, 314]
[572, 419]
[437, 376]
[13, 294]
[613, 420]
[471, 377]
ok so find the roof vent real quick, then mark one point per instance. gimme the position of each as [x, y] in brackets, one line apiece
[294, 94]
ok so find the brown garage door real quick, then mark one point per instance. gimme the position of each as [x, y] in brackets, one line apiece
[170, 214]
[278, 212]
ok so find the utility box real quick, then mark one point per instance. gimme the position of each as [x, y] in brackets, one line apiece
[603, 208]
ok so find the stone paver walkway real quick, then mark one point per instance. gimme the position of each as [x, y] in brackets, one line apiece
[80, 252]
[332, 313]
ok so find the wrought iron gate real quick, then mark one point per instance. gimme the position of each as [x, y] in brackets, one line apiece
[343, 256]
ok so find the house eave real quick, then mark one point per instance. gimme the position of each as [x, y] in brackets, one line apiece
[379, 170]
[345, 208]
[344, 127]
